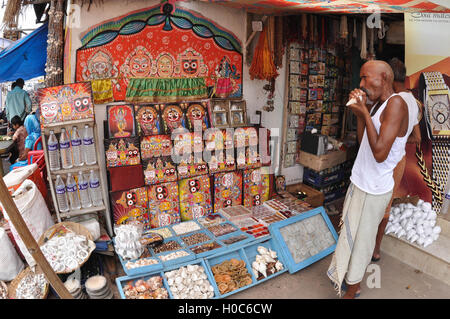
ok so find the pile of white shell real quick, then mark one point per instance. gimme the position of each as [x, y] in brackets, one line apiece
[127, 243]
[190, 282]
[262, 260]
[417, 224]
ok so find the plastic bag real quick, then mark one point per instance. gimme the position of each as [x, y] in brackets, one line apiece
[10, 263]
[35, 213]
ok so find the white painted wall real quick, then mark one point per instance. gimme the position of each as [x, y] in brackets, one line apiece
[229, 18]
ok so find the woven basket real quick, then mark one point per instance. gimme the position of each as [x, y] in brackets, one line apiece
[4, 287]
[16, 281]
[76, 228]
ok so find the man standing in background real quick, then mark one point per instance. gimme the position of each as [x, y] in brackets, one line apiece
[18, 102]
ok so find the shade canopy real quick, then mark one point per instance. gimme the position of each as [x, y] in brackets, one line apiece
[338, 6]
[26, 58]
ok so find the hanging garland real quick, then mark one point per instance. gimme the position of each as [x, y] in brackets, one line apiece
[263, 66]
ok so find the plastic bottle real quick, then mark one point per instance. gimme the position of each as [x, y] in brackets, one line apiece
[72, 191]
[64, 149]
[75, 140]
[53, 152]
[90, 157]
[94, 189]
[61, 195]
[83, 186]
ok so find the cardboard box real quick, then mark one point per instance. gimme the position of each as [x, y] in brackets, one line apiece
[322, 162]
[314, 197]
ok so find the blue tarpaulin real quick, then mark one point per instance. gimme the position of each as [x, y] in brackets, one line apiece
[26, 57]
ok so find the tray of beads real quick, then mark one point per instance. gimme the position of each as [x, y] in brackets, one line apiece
[222, 229]
[196, 238]
[185, 227]
[170, 258]
[275, 204]
[150, 286]
[209, 248]
[261, 211]
[170, 244]
[165, 232]
[235, 212]
[236, 239]
[211, 220]
[270, 219]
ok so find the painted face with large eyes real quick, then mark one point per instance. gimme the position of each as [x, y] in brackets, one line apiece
[190, 66]
[147, 117]
[49, 111]
[131, 198]
[82, 104]
[140, 65]
[161, 192]
[196, 113]
[173, 115]
[194, 186]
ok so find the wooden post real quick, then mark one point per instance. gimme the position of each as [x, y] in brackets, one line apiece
[29, 241]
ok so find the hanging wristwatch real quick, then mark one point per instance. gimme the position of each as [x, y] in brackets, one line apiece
[436, 97]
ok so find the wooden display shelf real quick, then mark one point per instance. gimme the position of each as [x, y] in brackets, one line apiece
[51, 126]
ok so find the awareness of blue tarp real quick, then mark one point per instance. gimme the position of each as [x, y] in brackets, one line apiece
[26, 58]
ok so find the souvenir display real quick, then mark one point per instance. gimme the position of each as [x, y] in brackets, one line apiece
[165, 232]
[148, 120]
[122, 151]
[120, 120]
[152, 288]
[155, 146]
[235, 212]
[185, 227]
[130, 205]
[173, 117]
[231, 275]
[211, 220]
[234, 239]
[203, 248]
[227, 190]
[197, 114]
[191, 165]
[221, 161]
[219, 113]
[222, 229]
[127, 242]
[159, 170]
[170, 245]
[195, 238]
[177, 60]
[163, 204]
[266, 263]
[195, 197]
[280, 184]
[187, 143]
[65, 103]
[31, 286]
[67, 252]
[174, 255]
[238, 114]
[256, 187]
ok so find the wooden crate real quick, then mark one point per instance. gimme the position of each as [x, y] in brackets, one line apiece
[322, 162]
[314, 197]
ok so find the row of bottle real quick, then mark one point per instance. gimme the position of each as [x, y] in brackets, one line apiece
[68, 152]
[84, 194]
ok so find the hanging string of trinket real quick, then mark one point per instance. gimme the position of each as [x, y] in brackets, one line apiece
[263, 66]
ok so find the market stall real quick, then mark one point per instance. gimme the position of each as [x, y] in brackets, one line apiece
[152, 145]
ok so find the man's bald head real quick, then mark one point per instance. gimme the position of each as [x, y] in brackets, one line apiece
[377, 79]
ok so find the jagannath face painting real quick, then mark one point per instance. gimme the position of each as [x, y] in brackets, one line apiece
[191, 64]
[173, 116]
[148, 120]
[49, 111]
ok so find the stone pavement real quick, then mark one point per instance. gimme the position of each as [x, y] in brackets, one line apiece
[398, 281]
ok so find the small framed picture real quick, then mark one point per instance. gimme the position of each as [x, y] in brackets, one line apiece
[280, 184]
[294, 54]
[219, 110]
[237, 113]
[121, 121]
[294, 67]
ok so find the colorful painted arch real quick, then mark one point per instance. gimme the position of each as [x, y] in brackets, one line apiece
[337, 6]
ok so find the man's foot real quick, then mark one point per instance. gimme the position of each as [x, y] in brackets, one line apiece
[351, 291]
[375, 257]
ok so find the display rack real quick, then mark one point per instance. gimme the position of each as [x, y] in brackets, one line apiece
[68, 125]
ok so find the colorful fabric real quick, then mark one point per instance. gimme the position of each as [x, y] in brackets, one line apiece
[151, 90]
[102, 91]
[159, 42]
[163, 204]
[33, 128]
